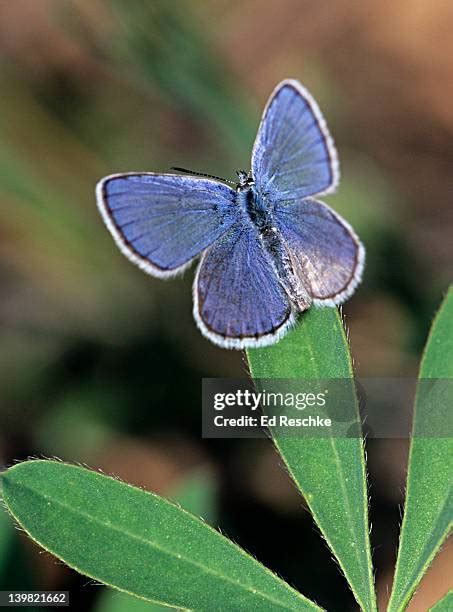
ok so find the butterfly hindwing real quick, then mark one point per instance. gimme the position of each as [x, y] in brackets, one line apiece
[325, 252]
[238, 299]
[162, 221]
[293, 156]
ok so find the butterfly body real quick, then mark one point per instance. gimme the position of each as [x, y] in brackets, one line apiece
[259, 210]
[269, 248]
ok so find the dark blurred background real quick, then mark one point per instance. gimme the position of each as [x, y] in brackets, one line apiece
[102, 364]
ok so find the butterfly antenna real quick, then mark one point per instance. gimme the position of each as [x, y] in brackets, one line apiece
[218, 178]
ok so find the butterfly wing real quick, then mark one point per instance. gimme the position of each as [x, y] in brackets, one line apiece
[293, 156]
[326, 255]
[238, 299]
[162, 221]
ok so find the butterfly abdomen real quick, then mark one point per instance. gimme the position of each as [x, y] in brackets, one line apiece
[284, 266]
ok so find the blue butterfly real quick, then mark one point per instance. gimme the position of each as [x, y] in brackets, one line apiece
[268, 248]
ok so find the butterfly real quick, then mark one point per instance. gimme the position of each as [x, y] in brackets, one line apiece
[268, 248]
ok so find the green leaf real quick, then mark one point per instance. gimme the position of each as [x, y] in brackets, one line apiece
[138, 542]
[329, 471]
[14, 563]
[428, 508]
[196, 494]
[445, 604]
[6, 538]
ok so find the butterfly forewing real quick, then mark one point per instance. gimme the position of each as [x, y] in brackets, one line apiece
[162, 221]
[294, 156]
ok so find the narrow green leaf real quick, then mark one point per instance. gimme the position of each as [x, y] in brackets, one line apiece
[329, 471]
[445, 604]
[429, 503]
[138, 542]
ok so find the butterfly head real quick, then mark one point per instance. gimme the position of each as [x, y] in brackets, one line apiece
[245, 180]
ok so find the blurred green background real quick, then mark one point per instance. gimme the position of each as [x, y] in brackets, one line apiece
[102, 364]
